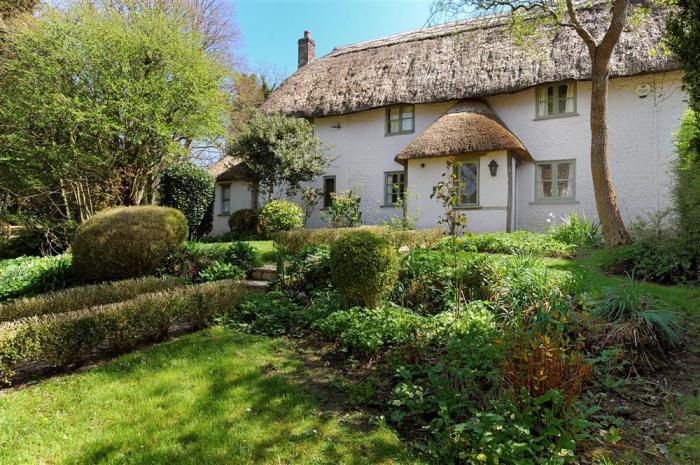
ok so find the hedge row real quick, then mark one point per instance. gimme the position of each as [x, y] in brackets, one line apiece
[78, 298]
[295, 241]
[66, 339]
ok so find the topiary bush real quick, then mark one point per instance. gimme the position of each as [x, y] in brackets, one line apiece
[245, 223]
[127, 242]
[364, 266]
[281, 215]
[188, 188]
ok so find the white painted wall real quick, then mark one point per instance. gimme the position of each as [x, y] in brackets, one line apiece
[240, 198]
[491, 215]
[641, 146]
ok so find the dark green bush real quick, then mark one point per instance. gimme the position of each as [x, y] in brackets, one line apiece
[218, 270]
[245, 223]
[294, 241]
[365, 332]
[127, 242]
[240, 254]
[425, 282]
[364, 267]
[69, 339]
[518, 242]
[687, 187]
[307, 271]
[78, 298]
[281, 215]
[25, 276]
[188, 188]
[271, 314]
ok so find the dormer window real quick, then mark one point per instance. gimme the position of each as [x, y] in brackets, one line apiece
[400, 119]
[556, 100]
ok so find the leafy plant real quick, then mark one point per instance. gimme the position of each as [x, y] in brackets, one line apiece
[307, 271]
[25, 276]
[281, 215]
[310, 198]
[364, 267]
[344, 210]
[245, 223]
[576, 230]
[518, 242]
[271, 314]
[218, 270]
[188, 188]
[240, 254]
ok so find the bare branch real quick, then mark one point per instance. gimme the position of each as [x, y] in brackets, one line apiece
[617, 24]
[582, 31]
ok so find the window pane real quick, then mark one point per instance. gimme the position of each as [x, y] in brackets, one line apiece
[544, 171]
[407, 124]
[394, 126]
[563, 170]
[328, 189]
[468, 177]
[544, 189]
[550, 100]
[563, 189]
[394, 113]
[407, 111]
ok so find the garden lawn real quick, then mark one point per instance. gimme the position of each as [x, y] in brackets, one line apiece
[265, 250]
[214, 397]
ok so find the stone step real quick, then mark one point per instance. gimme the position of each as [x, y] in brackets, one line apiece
[256, 287]
[264, 273]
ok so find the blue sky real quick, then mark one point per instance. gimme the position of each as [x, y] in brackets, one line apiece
[270, 28]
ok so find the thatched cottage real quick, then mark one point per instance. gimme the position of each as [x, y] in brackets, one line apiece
[516, 114]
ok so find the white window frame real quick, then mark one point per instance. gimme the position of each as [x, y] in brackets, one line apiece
[555, 181]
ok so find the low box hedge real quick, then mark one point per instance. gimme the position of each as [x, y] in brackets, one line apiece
[295, 241]
[78, 298]
[66, 339]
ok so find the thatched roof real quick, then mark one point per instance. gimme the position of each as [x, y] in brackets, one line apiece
[470, 126]
[229, 168]
[468, 59]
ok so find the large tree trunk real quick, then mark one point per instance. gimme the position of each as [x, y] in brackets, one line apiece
[614, 232]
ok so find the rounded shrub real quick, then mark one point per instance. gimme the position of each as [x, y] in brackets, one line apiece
[281, 215]
[127, 242]
[244, 222]
[364, 267]
[190, 189]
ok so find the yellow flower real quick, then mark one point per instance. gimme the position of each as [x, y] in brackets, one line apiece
[481, 457]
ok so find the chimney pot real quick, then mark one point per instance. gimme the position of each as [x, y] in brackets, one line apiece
[307, 49]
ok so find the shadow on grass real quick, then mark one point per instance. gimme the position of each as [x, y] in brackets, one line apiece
[215, 397]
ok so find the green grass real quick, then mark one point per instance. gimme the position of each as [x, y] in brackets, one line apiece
[265, 250]
[215, 397]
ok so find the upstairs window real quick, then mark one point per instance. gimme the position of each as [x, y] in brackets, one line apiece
[225, 198]
[394, 187]
[328, 190]
[400, 119]
[554, 181]
[556, 100]
[469, 180]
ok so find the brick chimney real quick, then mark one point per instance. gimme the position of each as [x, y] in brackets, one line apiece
[307, 49]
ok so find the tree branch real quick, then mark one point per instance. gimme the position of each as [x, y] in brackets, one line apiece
[617, 24]
[582, 31]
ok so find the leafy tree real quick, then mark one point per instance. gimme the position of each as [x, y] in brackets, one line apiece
[96, 104]
[683, 38]
[12, 8]
[188, 188]
[565, 13]
[280, 150]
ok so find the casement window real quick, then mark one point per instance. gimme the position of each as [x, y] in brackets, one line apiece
[555, 180]
[328, 190]
[225, 198]
[556, 100]
[469, 180]
[394, 187]
[400, 119]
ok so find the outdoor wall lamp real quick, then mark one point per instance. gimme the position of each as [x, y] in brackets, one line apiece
[493, 168]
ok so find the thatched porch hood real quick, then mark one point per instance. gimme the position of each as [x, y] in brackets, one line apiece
[470, 126]
[469, 59]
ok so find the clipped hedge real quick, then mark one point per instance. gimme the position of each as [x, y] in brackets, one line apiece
[188, 188]
[127, 242]
[67, 339]
[364, 267]
[295, 241]
[78, 298]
